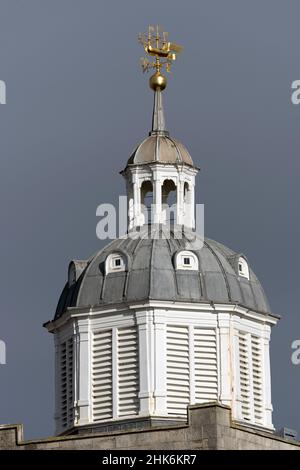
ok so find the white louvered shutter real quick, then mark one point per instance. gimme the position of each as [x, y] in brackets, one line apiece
[257, 382]
[102, 375]
[245, 384]
[251, 378]
[128, 372]
[205, 366]
[178, 370]
[66, 383]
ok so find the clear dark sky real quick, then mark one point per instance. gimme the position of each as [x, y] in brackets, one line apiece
[77, 104]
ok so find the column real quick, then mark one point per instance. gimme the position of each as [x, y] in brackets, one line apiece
[157, 200]
[144, 321]
[191, 223]
[57, 414]
[180, 201]
[136, 201]
[267, 377]
[82, 372]
[160, 358]
[224, 359]
[130, 205]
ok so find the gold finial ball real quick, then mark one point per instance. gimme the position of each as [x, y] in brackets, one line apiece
[157, 81]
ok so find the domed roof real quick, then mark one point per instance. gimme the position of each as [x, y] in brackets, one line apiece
[150, 274]
[160, 148]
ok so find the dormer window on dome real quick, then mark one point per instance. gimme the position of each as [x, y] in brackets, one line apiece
[115, 262]
[243, 267]
[186, 260]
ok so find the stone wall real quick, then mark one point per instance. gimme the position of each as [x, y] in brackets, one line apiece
[209, 427]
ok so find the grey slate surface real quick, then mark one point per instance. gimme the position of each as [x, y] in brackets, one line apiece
[151, 274]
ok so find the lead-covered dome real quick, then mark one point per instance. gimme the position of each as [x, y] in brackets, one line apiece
[160, 148]
[149, 272]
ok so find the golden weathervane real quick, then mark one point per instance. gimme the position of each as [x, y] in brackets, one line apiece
[156, 45]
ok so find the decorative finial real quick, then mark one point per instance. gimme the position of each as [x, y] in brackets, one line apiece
[156, 44]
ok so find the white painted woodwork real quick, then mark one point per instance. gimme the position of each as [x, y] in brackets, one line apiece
[183, 176]
[159, 357]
